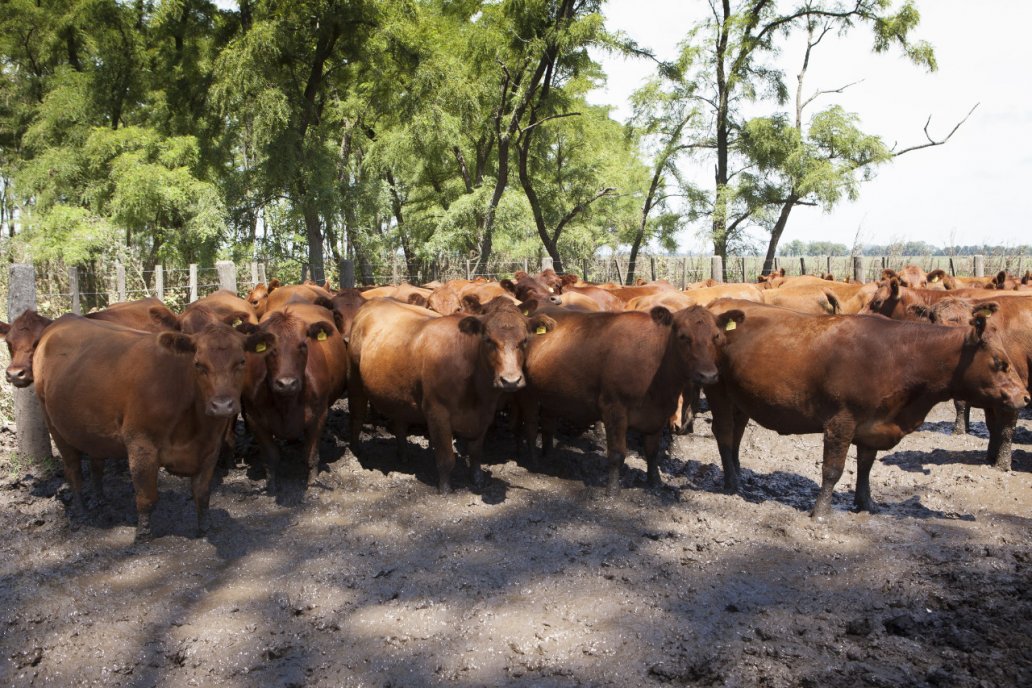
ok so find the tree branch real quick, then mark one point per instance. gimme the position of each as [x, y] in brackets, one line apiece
[931, 141]
[550, 117]
[817, 94]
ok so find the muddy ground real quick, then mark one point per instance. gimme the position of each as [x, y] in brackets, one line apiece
[374, 579]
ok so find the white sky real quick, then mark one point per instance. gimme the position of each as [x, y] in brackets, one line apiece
[972, 190]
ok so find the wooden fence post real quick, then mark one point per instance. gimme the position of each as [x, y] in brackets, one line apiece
[120, 281]
[829, 265]
[304, 272]
[394, 268]
[652, 267]
[33, 437]
[585, 266]
[193, 282]
[619, 277]
[717, 268]
[159, 282]
[227, 275]
[858, 268]
[73, 287]
[802, 265]
[979, 266]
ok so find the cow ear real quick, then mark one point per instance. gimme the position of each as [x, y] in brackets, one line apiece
[177, 342]
[324, 302]
[417, 300]
[246, 327]
[894, 287]
[320, 331]
[4, 328]
[936, 275]
[541, 324]
[161, 315]
[508, 285]
[259, 342]
[833, 302]
[273, 283]
[887, 274]
[661, 316]
[520, 274]
[239, 320]
[471, 325]
[923, 312]
[471, 304]
[729, 320]
[569, 279]
[528, 306]
[640, 282]
[781, 272]
[338, 320]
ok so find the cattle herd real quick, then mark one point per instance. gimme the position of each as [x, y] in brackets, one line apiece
[860, 363]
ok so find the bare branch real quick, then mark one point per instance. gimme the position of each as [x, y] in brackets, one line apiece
[932, 141]
[546, 119]
[819, 93]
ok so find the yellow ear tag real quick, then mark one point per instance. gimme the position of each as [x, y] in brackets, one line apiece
[526, 312]
[985, 313]
[321, 336]
[935, 279]
[237, 322]
[731, 324]
[260, 347]
[541, 329]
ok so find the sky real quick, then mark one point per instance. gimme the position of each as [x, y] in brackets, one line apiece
[972, 190]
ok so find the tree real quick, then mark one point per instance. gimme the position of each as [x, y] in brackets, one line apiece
[736, 44]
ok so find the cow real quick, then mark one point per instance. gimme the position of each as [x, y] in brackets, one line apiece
[264, 299]
[448, 372]
[861, 380]
[347, 302]
[625, 369]
[892, 299]
[289, 391]
[167, 406]
[23, 334]
[260, 294]
[222, 305]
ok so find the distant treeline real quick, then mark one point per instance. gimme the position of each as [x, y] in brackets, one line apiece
[909, 248]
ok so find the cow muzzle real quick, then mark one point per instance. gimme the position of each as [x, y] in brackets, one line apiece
[221, 407]
[286, 385]
[703, 377]
[19, 377]
[510, 384]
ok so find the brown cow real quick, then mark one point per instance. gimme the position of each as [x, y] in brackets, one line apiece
[797, 374]
[892, 299]
[260, 294]
[168, 406]
[627, 369]
[289, 392]
[347, 302]
[448, 372]
[23, 334]
[222, 306]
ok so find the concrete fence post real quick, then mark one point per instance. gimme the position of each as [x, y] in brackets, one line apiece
[546, 263]
[858, 268]
[227, 275]
[120, 281]
[33, 437]
[717, 268]
[979, 266]
[254, 274]
[347, 274]
[469, 270]
[193, 282]
[73, 288]
[159, 282]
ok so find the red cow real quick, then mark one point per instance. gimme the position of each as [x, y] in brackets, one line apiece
[627, 369]
[856, 379]
[445, 371]
[289, 392]
[222, 305]
[167, 406]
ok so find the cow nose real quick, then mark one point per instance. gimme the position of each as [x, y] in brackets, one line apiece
[19, 377]
[510, 384]
[557, 300]
[705, 378]
[286, 385]
[222, 406]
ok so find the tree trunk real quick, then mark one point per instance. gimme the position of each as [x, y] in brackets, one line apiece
[313, 232]
[775, 234]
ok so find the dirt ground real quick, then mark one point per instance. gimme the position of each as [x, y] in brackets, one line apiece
[373, 579]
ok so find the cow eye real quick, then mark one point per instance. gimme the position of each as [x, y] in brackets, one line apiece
[201, 368]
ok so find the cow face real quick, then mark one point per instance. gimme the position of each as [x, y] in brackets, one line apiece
[697, 335]
[885, 297]
[259, 296]
[22, 337]
[444, 300]
[218, 361]
[504, 334]
[527, 288]
[986, 373]
[287, 356]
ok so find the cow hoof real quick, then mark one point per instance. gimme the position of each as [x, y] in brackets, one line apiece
[957, 430]
[730, 488]
[820, 515]
[143, 536]
[479, 479]
[444, 489]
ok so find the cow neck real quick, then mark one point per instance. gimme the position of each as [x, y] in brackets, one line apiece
[672, 372]
[940, 367]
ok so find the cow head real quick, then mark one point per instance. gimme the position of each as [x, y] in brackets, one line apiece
[504, 333]
[22, 336]
[527, 288]
[444, 300]
[696, 335]
[287, 355]
[940, 279]
[886, 296]
[259, 296]
[986, 373]
[218, 359]
[346, 303]
[950, 311]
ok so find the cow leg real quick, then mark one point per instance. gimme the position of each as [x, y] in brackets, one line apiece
[313, 432]
[227, 452]
[836, 444]
[724, 432]
[616, 443]
[358, 404]
[476, 457]
[963, 421]
[200, 485]
[400, 430]
[270, 455]
[1001, 423]
[444, 453]
[530, 413]
[741, 421]
[97, 478]
[72, 459]
[549, 425]
[864, 460]
[143, 469]
[652, 459]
